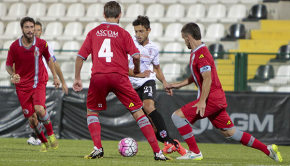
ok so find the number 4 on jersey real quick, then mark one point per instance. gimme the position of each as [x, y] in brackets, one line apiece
[105, 50]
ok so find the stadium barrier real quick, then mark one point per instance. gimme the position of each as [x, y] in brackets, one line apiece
[265, 115]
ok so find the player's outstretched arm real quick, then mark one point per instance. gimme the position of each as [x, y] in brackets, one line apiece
[56, 81]
[161, 78]
[60, 76]
[77, 85]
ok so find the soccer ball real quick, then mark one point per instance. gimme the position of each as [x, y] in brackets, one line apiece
[128, 147]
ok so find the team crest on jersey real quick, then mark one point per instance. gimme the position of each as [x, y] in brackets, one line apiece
[100, 105]
[25, 111]
[131, 105]
[201, 56]
[45, 44]
[229, 122]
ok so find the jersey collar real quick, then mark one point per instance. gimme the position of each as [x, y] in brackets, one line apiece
[20, 41]
[197, 48]
[111, 23]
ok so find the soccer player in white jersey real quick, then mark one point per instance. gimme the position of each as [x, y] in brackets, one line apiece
[144, 82]
[33, 140]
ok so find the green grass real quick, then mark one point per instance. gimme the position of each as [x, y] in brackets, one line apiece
[16, 152]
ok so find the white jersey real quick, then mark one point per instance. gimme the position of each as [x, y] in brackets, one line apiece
[149, 56]
[50, 49]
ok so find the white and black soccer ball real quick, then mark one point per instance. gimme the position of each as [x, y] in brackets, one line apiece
[128, 147]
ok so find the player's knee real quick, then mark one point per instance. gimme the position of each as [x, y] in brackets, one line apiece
[228, 133]
[38, 109]
[148, 108]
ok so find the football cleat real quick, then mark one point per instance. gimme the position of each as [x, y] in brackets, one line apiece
[168, 148]
[44, 147]
[53, 142]
[160, 157]
[180, 149]
[33, 141]
[96, 153]
[274, 153]
[191, 156]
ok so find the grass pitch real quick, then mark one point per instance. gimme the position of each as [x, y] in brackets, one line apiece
[16, 152]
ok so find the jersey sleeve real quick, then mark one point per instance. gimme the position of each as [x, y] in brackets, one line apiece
[156, 57]
[131, 64]
[203, 63]
[51, 52]
[130, 47]
[46, 52]
[10, 57]
[86, 48]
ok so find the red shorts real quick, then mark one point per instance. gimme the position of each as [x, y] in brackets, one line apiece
[29, 98]
[215, 111]
[102, 84]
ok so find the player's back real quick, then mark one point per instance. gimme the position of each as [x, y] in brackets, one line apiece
[109, 45]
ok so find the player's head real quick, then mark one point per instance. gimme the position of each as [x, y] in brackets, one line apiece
[27, 25]
[190, 31]
[38, 29]
[142, 28]
[112, 9]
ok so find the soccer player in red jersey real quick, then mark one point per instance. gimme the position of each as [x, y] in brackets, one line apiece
[109, 45]
[211, 101]
[33, 140]
[30, 78]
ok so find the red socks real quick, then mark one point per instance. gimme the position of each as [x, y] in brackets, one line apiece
[95, 129]
[248, 140]
[148, 132]
[188, 136]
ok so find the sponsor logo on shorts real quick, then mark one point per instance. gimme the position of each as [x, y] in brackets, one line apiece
[131, 105]
[25, 111]
[100, 105]
[163, 133]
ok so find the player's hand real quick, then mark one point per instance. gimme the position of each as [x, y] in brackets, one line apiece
[200, 108]
[77, 86]
[64, 88]
[56, 82]
[167, 88]
[15, 78]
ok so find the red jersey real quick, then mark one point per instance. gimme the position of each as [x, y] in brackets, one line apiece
[28, 62]
[200, 61]
[109, 45]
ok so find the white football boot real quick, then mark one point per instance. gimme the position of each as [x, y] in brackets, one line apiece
[274, 153]
[191, 156]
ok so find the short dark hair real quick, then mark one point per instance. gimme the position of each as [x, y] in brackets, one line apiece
[112, 9]
[26, 19]
[192, 29]
[142, 20]
[38, 23]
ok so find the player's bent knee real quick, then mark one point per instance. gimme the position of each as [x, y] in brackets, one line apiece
[234, 134]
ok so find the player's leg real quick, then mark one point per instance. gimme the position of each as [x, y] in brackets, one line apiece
[185, 130]
[39, 97]
[25, 99]
[129, 98]
[223, 122]
[38, 128]
[170, 145]
[147, 130]
[96, 101]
